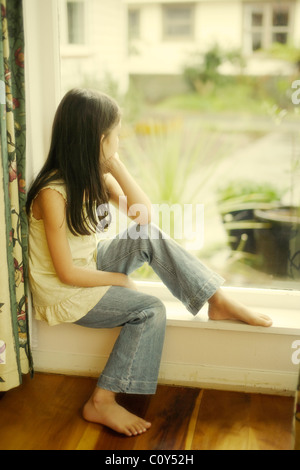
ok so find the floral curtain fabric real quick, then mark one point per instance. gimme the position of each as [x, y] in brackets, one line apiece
[15, 358]
[297, 419]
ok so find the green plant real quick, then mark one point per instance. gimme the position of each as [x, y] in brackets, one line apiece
[237, 204]
[240, 195]
[286, 52]
[204, 68]
[174, 160]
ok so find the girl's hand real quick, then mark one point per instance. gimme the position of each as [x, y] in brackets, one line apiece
[130, 284]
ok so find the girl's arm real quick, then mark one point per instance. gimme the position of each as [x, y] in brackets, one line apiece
[120, 183]
[50, 206]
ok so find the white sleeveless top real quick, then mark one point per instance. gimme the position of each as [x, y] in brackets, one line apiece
[53, 301]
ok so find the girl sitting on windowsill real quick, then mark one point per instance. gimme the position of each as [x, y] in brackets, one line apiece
[75, 279]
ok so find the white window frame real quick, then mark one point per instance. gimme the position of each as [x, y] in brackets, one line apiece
[267, 29]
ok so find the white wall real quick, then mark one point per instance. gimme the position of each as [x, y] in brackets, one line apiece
[219, 355]
[220, 23]
[297, 23]
[104, 54]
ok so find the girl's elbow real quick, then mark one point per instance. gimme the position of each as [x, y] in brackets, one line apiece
[65, 277]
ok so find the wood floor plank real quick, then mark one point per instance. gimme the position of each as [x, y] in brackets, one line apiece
[275, 414]
[297, 435]
[193, 422]
[45, 413]
[170, 412]
[235, 421]
[222, 421]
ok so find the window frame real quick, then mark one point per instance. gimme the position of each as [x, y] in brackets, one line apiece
[267, 29]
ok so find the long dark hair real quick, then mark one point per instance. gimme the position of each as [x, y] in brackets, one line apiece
[81, 119]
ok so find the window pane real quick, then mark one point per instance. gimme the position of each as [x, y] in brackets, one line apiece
[75, 12]
[178, 21]
[256, 41]
[178, 30]
[257, 19]
[281, 38]
[280, 17]
[134, 24]
[229, 141]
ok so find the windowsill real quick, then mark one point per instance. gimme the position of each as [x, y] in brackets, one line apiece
[198, 352]
[281, 306]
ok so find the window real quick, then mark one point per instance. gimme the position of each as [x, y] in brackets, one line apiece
[257, 151]
[75, 12]
[178, 21]
[266, 24]
[73, 22]
[134, 23]
[280, 24]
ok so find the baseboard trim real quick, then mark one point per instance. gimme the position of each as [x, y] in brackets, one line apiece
[192, 375]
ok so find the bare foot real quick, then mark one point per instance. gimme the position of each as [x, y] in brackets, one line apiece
[222, 308]
[102, 408]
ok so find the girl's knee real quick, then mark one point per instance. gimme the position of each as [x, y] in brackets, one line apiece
[160, 310]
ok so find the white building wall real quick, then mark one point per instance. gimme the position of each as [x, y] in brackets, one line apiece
[105, 51]
[216, 22]
[154, 54]
[297, 24]
[219, 22]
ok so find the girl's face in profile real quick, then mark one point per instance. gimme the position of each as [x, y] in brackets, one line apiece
[110, 143]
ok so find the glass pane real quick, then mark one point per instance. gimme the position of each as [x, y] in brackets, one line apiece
[256, 41]
[280, 17]
[178, 21]
[178, 30]
[226, 137]
[257, 19]
[281, 38]
[75, 11]
[180, 14]
[134, 24]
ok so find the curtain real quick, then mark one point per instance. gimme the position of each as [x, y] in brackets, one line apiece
[15, 357]
[297, 418]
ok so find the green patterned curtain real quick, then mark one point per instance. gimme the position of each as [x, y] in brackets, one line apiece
[297, 419]
[15, 358]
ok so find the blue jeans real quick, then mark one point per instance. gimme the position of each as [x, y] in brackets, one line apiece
[133, 365]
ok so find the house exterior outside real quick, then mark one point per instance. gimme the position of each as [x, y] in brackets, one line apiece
[93, 38]
[156, 38]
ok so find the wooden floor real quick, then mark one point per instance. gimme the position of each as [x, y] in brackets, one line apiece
[45, 413]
